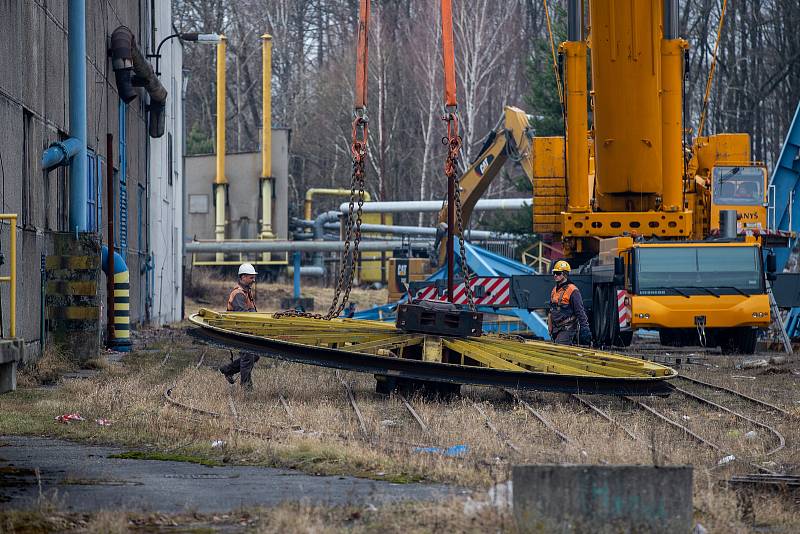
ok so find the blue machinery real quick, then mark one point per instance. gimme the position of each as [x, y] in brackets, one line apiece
[785, 184]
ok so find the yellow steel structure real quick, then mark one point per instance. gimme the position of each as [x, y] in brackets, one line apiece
[220, 180]
[374, 337]
[12, 277]
[577, 145]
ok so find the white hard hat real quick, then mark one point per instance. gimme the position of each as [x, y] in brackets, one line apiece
[246, 268]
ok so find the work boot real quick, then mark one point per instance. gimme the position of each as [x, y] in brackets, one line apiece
[229, 377]
[247, 387]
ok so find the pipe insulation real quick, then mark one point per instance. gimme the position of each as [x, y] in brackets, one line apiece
[417, 206]
[230, 246]
[131, 69]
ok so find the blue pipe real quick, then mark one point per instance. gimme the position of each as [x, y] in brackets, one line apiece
[78, 193]
[296, 258]
[119, 262]
[60, 153]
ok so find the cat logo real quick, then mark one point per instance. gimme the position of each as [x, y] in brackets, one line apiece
[483, 165]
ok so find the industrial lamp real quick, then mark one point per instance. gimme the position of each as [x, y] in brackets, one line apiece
[204, 38]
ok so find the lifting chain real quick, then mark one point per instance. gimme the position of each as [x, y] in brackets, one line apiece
[453, 142]
[344, 283]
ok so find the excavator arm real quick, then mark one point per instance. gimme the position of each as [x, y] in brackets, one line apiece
[511, 139]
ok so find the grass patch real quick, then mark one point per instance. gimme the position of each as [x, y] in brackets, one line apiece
[319, 434]
[165, 457]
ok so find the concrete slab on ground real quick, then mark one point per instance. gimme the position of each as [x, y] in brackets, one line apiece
[603, 499]
[85, 479]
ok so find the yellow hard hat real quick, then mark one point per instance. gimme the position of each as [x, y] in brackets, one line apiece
[561, 266]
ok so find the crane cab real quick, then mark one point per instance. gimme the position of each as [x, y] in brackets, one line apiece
[742, 188]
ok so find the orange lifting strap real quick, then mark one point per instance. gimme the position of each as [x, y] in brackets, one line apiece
[448, 55]
[361, 56]
[358, 147]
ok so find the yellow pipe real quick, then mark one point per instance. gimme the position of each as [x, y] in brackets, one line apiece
[266, 104]
[577, 127]
[221, 89]
[266, 143]
[12, 279]
[323, 191]
[220, 180]
[671, 115]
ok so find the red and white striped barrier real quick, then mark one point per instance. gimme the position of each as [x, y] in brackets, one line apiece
[496, 292]
[623, 309]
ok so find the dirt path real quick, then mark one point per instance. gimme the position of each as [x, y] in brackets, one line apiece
[83, 478]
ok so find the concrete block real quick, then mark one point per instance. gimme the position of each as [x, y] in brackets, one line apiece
[12, 351]
[594, 498]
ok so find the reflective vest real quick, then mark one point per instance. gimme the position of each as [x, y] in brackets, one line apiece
[248, 299]
[561, 313]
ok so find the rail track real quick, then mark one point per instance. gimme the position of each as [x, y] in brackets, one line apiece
[491, 426]
[537, 415]
[602, 413]
[727, 454]
[759, 402]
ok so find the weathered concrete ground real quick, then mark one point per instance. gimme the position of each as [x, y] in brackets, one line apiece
[84, 479]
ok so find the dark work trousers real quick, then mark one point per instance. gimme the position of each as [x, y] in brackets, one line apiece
[567, 335]
[244, 365]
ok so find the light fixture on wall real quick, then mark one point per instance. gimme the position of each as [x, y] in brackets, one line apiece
[194, 37]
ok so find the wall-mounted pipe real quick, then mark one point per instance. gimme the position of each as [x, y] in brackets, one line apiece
[78, 191]
[230, 246]
[122, 315]
[315, 191]
[220, 180]
[60, 153]
[417, 206]
[131, 69]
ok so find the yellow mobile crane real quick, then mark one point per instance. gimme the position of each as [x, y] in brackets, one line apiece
[669, 235]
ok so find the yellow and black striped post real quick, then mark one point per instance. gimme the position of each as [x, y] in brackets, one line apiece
[121, 332]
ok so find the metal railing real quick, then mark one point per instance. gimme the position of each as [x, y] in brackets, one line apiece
[12, 278]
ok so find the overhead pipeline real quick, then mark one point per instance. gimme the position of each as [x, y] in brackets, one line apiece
[418, 206]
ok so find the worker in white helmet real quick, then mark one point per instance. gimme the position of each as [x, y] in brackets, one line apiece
[241, 300]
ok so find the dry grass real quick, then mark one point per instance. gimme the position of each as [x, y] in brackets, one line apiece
[48, 369]
[320, 433]
[405, 518]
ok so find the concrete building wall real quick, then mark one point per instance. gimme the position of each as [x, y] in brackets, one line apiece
[244, 201]
[34, 112]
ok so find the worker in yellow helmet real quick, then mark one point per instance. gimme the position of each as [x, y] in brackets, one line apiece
[567, 322]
